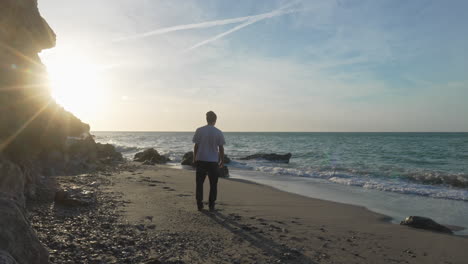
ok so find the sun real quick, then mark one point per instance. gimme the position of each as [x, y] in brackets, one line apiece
[76, 84]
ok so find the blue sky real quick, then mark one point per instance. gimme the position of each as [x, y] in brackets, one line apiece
[267, 65]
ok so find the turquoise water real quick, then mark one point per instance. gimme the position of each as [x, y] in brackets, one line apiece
[427, 171]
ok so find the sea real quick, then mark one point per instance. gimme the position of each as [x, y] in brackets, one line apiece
[395, 174]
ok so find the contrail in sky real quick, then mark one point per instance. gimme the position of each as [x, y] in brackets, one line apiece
[246, 19]
[249, 22]
[253, 19]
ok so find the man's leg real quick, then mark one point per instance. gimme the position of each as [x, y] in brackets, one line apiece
[200, 179]
[213, 177]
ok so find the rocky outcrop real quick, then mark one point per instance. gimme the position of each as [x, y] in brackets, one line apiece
[270, 157]
[35, 124]
[425, 223]
[16, 235]
[6, 258]
[17, 239]
[82, 155]
[12, 181]
[187, 159]
[150, 157]
[106, 153]
[34, 130]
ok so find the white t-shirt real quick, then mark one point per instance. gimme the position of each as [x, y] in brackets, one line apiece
[208, 139]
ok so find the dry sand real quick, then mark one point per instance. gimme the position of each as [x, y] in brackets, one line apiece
[259, 224]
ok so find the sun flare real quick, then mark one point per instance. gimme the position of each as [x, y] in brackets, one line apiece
[76, 84]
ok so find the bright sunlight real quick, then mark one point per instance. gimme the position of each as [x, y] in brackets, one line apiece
[76, 84]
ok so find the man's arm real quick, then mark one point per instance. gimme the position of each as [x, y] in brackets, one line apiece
[221, 156]
[195, 149]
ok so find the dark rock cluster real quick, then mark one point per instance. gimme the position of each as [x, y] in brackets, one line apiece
[270, 157]
[82, 225]
[150, 157]
[187, 159]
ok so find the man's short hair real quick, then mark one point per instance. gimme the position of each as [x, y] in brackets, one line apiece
[211, 117]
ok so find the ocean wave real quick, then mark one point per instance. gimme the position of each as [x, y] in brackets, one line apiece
[432, 165]
[433, 185]
[458, 180]
[126, 149]
[405, 188]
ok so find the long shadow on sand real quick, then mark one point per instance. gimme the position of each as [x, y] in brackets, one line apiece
[268, 246]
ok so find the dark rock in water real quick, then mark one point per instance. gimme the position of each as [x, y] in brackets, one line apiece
[425, 223]
[107, 153]
[151, 155]
[224, 172]
[271, 157]
[187, 159]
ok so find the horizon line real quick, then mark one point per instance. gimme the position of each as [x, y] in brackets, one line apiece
[187, 131]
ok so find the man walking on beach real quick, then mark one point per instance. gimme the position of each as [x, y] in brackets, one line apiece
[208, 155]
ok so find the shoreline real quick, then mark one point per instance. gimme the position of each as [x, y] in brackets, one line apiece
[147, 214]
[353, 196]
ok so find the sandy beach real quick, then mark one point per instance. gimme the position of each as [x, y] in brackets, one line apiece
[153, 207]
[337, 121]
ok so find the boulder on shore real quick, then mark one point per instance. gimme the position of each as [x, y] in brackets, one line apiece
[18, 241]
[74, 197]
[271, 157]
[187, 159]
[223, 172]
[425, 223]
[151, 156]
[107, 153]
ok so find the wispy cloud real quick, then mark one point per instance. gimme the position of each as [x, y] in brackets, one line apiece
[248, 20]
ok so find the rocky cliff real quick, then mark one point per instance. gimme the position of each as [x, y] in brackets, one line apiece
[33, 129]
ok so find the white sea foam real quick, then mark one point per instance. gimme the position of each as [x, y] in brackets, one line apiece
[382, 184]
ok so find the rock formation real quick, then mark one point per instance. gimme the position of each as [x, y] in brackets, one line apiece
[271, 157]
[150, 157]
[35, 131]
[425, 223]
[187, 159]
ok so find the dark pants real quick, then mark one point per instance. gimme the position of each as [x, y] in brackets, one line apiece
[204, 168]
